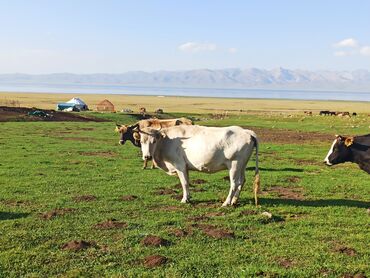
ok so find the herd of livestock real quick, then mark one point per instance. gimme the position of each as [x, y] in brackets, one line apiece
[177, 147]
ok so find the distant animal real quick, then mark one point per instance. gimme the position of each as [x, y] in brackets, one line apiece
[350, 149]
[342, 114]
[354, 114]
[159, 111]
[325, 112]
[178, 149]
[142, 111]
[309, 113]
[131, 132]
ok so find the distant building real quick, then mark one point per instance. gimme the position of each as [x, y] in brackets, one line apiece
[105, 105]
[75, 104]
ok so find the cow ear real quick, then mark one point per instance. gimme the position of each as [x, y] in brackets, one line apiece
[349, 141]
[117, 128]
[339, 138]
[136, 136]
[162, 134]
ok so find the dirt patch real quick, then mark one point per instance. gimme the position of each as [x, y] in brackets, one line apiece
[128, 198]
[56, 212]
[286, 263]
[155, 241]
[169, 208]
[215, 232]
[100, 153]
[248, 212]
[15, 114]
[85, 198]
[357, 275]
[154, 261]
[110, 224]
[16, 203]
[165, 191]
[198, 218]
[292, 179]
[206, 204]
[285, 136]
[76, 245]
[198, 181]
[295, 193]
[305, 162]
[345, 250]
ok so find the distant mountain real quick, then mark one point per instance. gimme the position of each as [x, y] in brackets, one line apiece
[278, 78]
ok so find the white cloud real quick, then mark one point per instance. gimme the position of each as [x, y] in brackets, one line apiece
[232, 50]
[194, 47]
[341, 53]
[347, 43]
[365, 50]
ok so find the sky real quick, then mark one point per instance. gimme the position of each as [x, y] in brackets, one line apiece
[107, 36]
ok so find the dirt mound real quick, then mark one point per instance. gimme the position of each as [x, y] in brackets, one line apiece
[76, 245]
[156, 241]
[101, 153]
[357, 275]
[215, 213]
[215, 232]
[286, 263]
[295, 193]
[85, 198]
[154, 261]
[293, 179]
[165, 191]
[10, 114]
[181, 232]
[110, 224]
[198, 181]
[345, 250]
[128, 198]
[248, 212]
[198, 218]
[56, 212]
[285, 136]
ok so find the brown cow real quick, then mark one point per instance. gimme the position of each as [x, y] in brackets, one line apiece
[131, 132]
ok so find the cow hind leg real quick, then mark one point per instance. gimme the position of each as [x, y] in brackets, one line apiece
[145, 163]
[240, 184]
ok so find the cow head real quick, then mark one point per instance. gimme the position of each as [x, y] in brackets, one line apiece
[149, 139]
[340, 151]
[128, 133]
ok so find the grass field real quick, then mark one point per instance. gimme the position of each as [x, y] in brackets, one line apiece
[58, 180]
[187, 104]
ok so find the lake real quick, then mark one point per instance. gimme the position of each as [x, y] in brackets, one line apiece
[187, 92]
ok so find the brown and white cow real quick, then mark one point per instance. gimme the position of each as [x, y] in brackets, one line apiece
[350, 149]
[178, 149]
[131, 132]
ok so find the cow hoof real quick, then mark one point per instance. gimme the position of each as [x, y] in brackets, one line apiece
[185, 201]
[225, 204]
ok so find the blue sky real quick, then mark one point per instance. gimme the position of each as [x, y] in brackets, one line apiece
[117, 36]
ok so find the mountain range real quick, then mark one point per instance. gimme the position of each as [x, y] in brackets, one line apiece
[279, 78]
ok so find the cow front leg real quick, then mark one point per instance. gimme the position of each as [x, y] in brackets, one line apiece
[184, 180]
[153, 164]
[145, 163]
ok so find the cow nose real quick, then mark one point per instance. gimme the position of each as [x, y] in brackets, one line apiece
[121, 142]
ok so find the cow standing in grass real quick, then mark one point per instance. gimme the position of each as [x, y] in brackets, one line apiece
[350, 149]
[131, 132]
[178, 149]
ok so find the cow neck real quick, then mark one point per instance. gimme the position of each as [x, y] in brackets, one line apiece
[360, 154]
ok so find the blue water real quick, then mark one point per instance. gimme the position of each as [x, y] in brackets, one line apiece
[189, 92]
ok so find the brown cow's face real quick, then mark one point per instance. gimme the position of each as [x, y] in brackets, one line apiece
[128, 133]
[340, 151]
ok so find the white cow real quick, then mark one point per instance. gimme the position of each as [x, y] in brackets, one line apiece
[178, 149]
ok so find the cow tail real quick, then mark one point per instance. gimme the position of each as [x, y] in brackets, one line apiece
[257, 182]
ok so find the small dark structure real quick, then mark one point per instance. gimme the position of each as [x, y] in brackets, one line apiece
[159, 111]
[105, 105]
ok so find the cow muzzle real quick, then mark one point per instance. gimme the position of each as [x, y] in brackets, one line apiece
[121, 142]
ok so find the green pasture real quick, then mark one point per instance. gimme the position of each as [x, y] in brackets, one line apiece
[321, 231]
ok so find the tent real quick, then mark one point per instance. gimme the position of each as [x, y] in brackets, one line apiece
[105, 105]
[75, 104]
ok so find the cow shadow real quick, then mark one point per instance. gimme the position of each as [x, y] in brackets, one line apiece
[286, 169]
[314, 203]
[5, 215]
